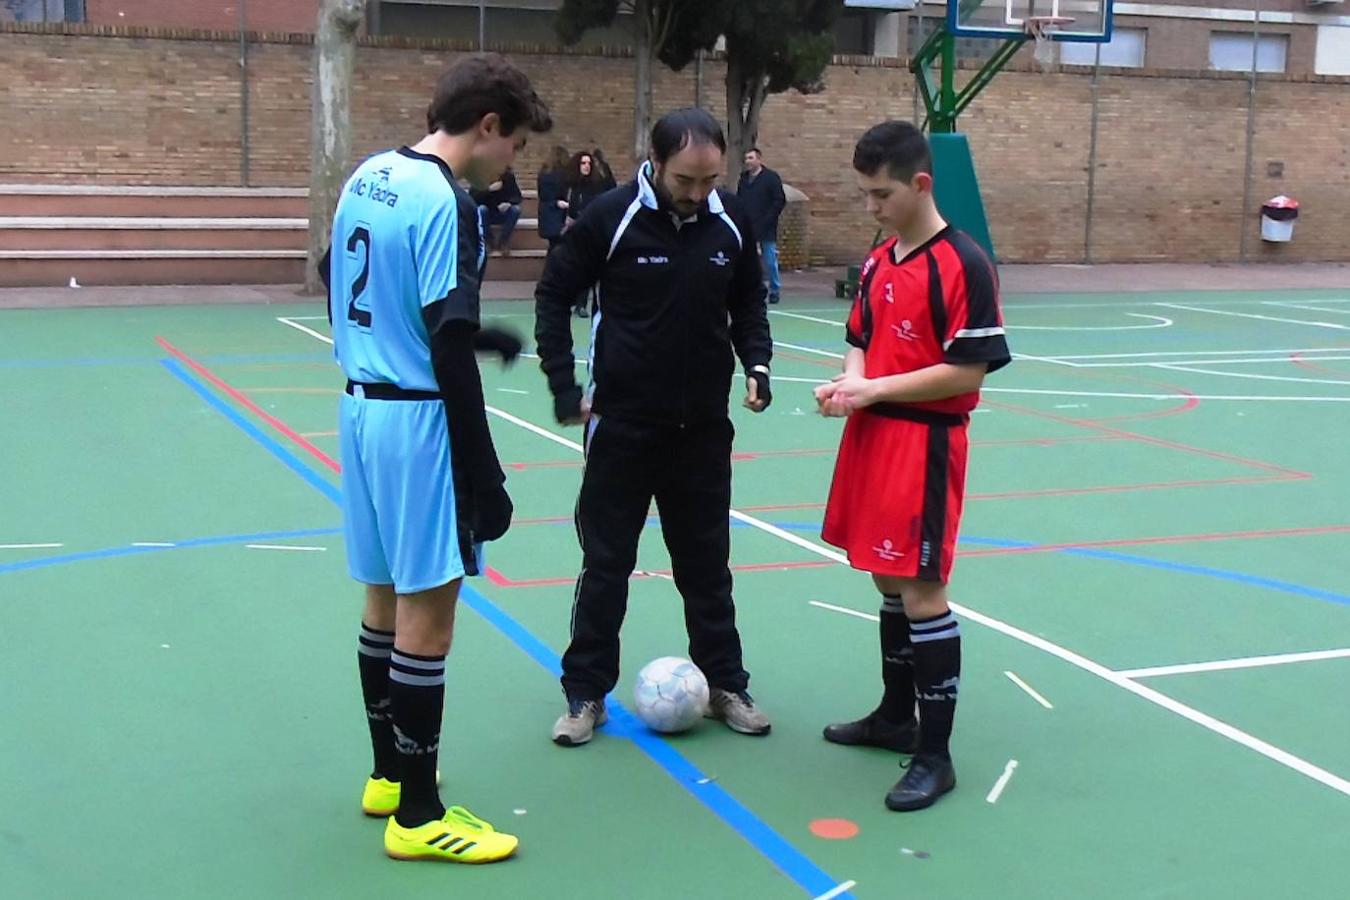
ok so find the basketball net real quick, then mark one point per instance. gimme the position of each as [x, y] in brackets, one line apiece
[1042, 30]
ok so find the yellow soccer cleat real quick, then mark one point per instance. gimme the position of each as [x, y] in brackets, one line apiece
[380, 798]
[459, 837]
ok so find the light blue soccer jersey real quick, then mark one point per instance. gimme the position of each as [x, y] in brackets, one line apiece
[405, 235]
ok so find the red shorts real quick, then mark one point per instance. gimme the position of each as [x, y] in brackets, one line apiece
[895, 503]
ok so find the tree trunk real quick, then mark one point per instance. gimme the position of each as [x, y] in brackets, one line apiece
[746, 93]
[331, 133]
[642, 79]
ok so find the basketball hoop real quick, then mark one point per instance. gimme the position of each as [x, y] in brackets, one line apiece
[1042, 30]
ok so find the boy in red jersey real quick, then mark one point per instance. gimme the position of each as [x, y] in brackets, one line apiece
[924, 330]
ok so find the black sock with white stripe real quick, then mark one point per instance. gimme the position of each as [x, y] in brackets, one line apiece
[373, 649]
[417, 694]
[937, 676]
[897, 662]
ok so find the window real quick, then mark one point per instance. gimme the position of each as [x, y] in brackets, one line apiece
[41, 10]
[1231, 51]
[1126, 48]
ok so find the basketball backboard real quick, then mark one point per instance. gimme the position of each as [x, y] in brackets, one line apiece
[1091, 19]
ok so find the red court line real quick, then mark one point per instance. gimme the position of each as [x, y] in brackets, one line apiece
[1298, 360]
[801, 357]
[242, 398]
[1190, 403]
[1173, 539]
[1157, 442]
[501, 580]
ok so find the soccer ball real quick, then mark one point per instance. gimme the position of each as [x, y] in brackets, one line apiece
[671, 695]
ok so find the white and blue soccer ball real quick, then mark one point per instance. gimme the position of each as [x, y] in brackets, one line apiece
[671, 695]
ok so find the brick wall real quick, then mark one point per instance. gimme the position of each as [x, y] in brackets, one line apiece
[211, 15]
[123, 107]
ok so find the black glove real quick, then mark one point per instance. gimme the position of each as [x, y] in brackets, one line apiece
[567, 405]
[491, 517]
[762, 390]
[500, 341]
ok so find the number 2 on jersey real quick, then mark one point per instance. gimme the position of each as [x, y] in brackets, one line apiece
[360, 235]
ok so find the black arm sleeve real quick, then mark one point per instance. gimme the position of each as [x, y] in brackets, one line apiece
[511, 189]
[326, 276]
[573, 267]
[746, 304]
[461, 390]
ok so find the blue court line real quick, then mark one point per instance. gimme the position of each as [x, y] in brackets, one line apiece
[789, 860]
[127, 550]
[221, 359]
[324, 486]
[1187, 568]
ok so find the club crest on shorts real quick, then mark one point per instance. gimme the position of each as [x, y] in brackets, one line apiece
[887, 551]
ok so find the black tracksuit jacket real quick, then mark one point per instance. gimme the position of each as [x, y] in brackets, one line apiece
[674, 300]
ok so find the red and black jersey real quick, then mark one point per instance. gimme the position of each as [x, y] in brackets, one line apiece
[937, 305]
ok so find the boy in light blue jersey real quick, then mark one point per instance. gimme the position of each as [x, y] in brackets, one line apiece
[421, 485]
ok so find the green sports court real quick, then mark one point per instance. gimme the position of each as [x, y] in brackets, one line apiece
[1152, 578]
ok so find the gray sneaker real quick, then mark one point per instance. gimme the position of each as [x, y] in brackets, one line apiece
[576, 726]
[738, 710]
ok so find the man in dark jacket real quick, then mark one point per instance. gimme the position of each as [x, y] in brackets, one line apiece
[761, 194]
[499, 206]
[679, 289]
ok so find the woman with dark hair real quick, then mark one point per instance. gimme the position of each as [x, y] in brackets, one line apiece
[602, 168]
[553, 178]
[584, 184]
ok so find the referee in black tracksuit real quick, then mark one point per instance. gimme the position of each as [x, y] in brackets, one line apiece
[679, 289]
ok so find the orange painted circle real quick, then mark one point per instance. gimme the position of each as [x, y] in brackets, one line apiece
[834, 829]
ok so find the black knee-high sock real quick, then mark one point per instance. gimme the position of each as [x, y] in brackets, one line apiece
[417, 695]
[373, 648]
[897, 662]
[937, 675]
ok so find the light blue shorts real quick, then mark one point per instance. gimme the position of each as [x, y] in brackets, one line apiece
[398, 494]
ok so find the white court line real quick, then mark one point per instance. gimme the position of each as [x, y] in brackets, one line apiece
[1181, 367]
[1224, 312]
[305, 328]
[1204, 720]
[1010, 302]
[845, 610]
[1163, 322]
[513, 391]
[801, 349]
[1250, 662]
[308, 318]
[1129, 396]
[283, 547]
[1157, 353]
[1029, 689]
[153, 544]
[795, 380]
[837, 890]
[997, 790]
[29, 546]
[1163, 363]
[1322, 309]
[779, 312]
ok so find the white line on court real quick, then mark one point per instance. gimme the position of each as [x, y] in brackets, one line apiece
[1183, 367]
[1224, 312]
[1304, 306]
[800, 349]
[1160, 322]
[1279, 354]
[283, 547]
[796, 380]
[1163, 363]
[788, 315]
[1035, 695]
[837, 890]
[308, 318]
[513, 391]
[1204, 720]
[1011, 303]
[153, 544]
[845, 610]
[29, 546]
[1249, 662]
[305, 328]
[997, 790]
[1129, 396]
